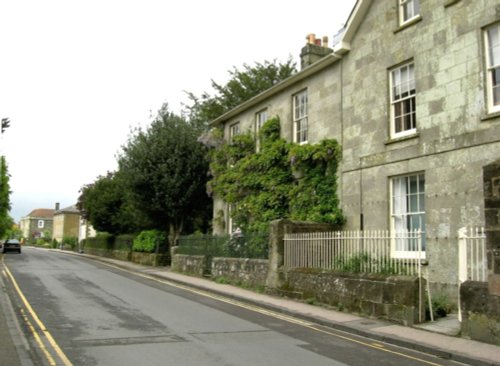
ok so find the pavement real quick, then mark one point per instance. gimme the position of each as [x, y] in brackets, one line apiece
[437, 338]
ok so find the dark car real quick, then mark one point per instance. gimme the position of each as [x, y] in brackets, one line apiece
[11, 245]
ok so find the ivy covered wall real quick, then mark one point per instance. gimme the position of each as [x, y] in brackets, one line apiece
[280, 180]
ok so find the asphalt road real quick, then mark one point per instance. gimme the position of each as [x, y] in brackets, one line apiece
[80, 312]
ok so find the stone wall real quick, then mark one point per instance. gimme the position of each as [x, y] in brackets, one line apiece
[189, 264]
[242, 271]
[390, 297]
[150, 259]
[480, 312]
[123, 255]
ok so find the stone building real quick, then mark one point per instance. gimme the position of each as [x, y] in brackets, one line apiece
[37, 224]
[411, 93]
[66, 223]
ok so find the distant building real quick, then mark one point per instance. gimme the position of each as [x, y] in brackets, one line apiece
[66, 223]
[37, 224]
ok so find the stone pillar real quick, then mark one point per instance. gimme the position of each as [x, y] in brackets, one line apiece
[277, 230]
[491, 179]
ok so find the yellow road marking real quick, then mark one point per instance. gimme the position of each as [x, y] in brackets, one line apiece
[41, 326]
[273, 314]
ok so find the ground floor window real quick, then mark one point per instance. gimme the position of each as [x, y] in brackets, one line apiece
[408, 213]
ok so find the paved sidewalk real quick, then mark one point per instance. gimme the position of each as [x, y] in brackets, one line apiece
[455, 348]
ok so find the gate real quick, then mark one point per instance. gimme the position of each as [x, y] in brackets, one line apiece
[472, 260]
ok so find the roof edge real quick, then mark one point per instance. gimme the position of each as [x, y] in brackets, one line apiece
[308, 71]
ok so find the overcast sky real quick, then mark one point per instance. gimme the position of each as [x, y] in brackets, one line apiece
[76, 76]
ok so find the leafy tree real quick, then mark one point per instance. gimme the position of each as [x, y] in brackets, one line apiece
[106, 205]
[165, 170]
[242, 86]
[6, 221]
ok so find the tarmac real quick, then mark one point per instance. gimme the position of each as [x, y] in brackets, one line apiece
[438, 338]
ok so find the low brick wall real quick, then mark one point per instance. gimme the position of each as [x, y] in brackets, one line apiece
[189, 264]
[243, 271]
[390, 297]
[480, 312]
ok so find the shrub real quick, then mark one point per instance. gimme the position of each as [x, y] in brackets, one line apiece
[147, 241]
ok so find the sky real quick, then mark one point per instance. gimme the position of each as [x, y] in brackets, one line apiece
[77, 76]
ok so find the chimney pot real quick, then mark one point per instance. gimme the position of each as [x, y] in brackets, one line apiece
[325, 41]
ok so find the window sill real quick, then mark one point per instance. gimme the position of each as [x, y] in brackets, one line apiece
[450, 2]
[492, 115]
[403, 138]
[409, 23]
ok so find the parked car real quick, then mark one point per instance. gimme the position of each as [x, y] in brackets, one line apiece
[11, 245]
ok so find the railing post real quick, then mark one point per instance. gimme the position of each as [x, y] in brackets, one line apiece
[462, 264]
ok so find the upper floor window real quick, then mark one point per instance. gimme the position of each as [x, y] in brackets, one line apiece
[493, 65]
[234, 130]
[403, 109]
[260, 119]
[408, 214]
[408, 10]
[300, 117]
[41, 224]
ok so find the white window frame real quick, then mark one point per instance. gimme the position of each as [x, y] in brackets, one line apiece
[260, 118]
[408, 10]
[234, 130]
[407, 205]
[403, 100]
[300, 117]
[492, 46]
[41, 224]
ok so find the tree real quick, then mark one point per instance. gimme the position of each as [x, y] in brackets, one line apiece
[6, 221]
[242, 86]
[165, 170]
[106, 206]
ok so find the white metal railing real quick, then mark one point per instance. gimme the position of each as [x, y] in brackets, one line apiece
[356, 251]
[472, 262]
[472, 259]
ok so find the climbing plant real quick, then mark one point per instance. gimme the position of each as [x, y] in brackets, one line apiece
[281, 180]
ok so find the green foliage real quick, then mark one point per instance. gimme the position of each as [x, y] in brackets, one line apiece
[72, 241]
[148, 240]
[103, 241]
[164, 169]
[262, 187]
[230, 246]
[242, 86]
[440, 306]
[6, 222]
[106, 205]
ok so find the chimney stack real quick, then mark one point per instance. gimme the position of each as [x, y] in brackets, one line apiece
[57, 206]
[314, 50]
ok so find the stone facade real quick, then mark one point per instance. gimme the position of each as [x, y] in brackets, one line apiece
[66, 223]
[349, 99]
[37, 223]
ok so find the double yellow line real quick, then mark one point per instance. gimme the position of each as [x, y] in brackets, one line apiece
[44, 332]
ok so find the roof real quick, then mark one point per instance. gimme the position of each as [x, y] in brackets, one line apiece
[308, 71]
[70, 209]
[356, 17]
[42, 212]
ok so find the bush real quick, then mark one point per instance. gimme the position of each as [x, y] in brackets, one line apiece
[72, 241]
[147, 241]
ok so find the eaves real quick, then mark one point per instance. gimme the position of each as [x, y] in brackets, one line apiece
[301, 75]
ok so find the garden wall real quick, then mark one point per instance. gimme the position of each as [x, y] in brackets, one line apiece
[395, 298]
[242, 271]
[189, 264]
